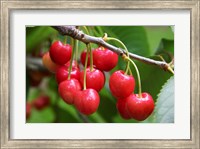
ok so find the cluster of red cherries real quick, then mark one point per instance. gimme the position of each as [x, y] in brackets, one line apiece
[80, 87]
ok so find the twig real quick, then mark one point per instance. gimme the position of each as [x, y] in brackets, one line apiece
[35, 64]
[79, 35]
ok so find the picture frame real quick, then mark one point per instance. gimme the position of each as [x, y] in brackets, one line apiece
[8, 6]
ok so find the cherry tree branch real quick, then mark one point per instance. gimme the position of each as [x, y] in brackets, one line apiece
[35, 64]
[79, 35]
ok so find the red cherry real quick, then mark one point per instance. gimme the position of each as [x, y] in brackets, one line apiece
[83, 58]
[41, 102]
[95, 79]
[60, 53]
[87, 101]
[121, 85]
[104, 59]
[62, 74]
[37, 76]
[28, 110]
[41, 54]
[121, 107]
[140, 108]
[48, 63]
[67, 89]
[74, 64]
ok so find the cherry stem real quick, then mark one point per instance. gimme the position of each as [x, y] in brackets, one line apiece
[86, 30]
[90, 50]
[73, 43]
[130, 71]
[91, 57]
[122, 44]
[160, 57]
[65, 40]
[85, 67]
[76, 49]
[138, 76]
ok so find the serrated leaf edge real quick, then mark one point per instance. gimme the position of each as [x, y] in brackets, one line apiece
[155, 109]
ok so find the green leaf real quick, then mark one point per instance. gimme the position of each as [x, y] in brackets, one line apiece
[97, 118]
[36, 35]
[134, 37]
[166, 49]
[45, 115]
[166, 46]
[164, 110]
[118, 119]
[33, 93]
[64, 116]
[71, 114]
[155, 34]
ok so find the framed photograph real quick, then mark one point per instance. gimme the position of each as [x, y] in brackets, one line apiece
[100, 74]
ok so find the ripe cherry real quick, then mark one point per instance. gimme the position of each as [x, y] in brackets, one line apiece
[95, 79]
[140, 108]
[28, 110]
[122, 108]
[104, 59]
[60, 54]
[74, 64]
[83, 57]
[68, 88]
[121, 85]
[62, 73]
[87, 101]
[48, 63]
[41, 102]
[36, 76]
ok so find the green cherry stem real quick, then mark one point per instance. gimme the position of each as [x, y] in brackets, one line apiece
[90, 50]
[138, 76]
[76, 49]
[85, 67]
[65, 40]
[86, 30]
[122, 44]
[91, 57]
[73, 42]
[130, 72]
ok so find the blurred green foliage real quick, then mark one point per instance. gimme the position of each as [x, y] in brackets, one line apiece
[148, 41]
